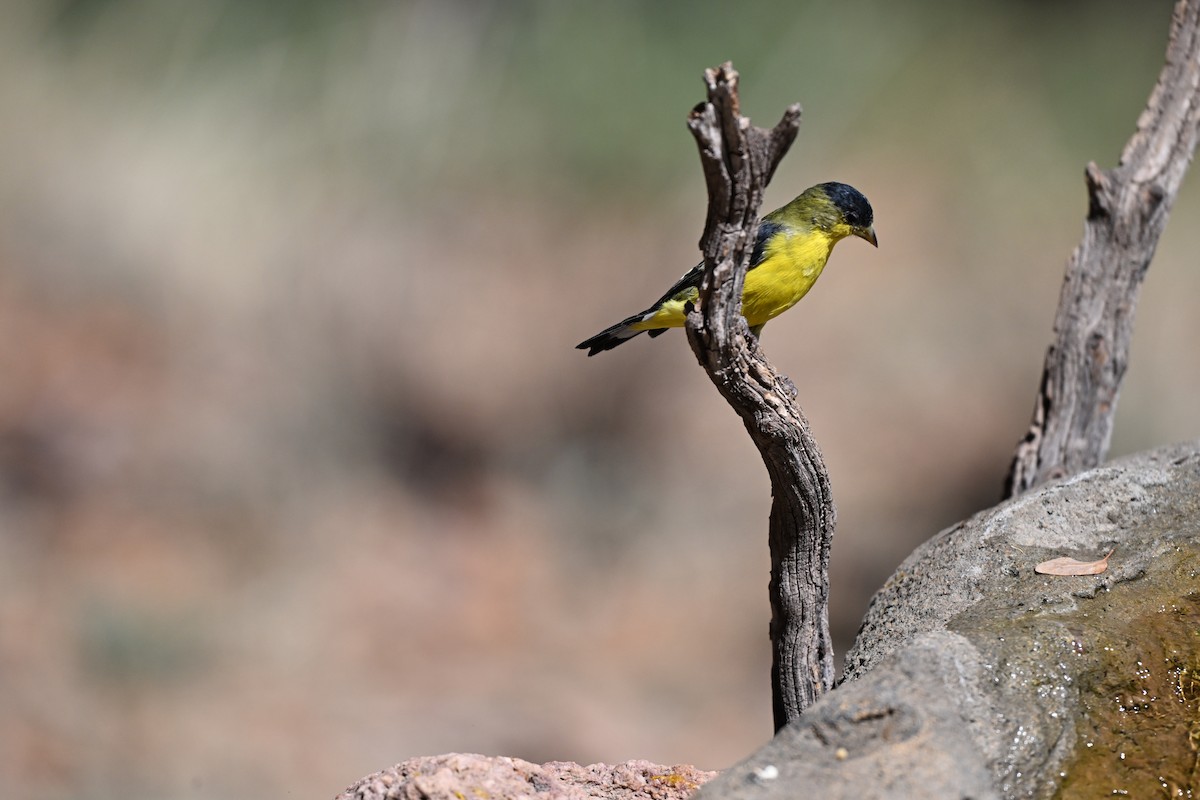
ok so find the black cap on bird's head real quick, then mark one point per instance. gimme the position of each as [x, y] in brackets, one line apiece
[851, 202]
[855, 210]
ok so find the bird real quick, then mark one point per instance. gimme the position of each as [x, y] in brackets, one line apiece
[791, 248]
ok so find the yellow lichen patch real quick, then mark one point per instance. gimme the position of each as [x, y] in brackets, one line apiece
[675, 781]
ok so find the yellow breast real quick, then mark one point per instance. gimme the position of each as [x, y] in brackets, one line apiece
[789, 269]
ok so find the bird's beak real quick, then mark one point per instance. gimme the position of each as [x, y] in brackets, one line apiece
[868, 234]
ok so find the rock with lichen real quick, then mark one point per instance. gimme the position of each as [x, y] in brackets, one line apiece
[975, 676]
[465, 776]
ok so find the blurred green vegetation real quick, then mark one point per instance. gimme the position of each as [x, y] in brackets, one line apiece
[589, 98]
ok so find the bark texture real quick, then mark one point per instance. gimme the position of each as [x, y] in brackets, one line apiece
[1127, 212]
[739, 160]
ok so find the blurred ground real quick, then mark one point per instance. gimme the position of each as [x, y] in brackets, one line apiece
[299, 473]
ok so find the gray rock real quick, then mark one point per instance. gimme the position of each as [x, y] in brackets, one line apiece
[897, 735]
[973, 676]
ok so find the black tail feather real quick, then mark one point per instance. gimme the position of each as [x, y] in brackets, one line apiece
[615, 335]
[607, 339]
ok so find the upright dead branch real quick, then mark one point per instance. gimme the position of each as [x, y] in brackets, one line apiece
[1127, 212]
[739, 160]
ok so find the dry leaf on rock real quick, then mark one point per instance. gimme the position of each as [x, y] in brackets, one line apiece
[1071, 566]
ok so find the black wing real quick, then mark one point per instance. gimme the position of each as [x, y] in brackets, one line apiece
[766, 230]
[693, 277]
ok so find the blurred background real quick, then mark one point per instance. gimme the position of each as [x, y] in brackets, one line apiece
[300, 475]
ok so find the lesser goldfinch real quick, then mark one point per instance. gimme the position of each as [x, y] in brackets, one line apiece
[790, 250]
